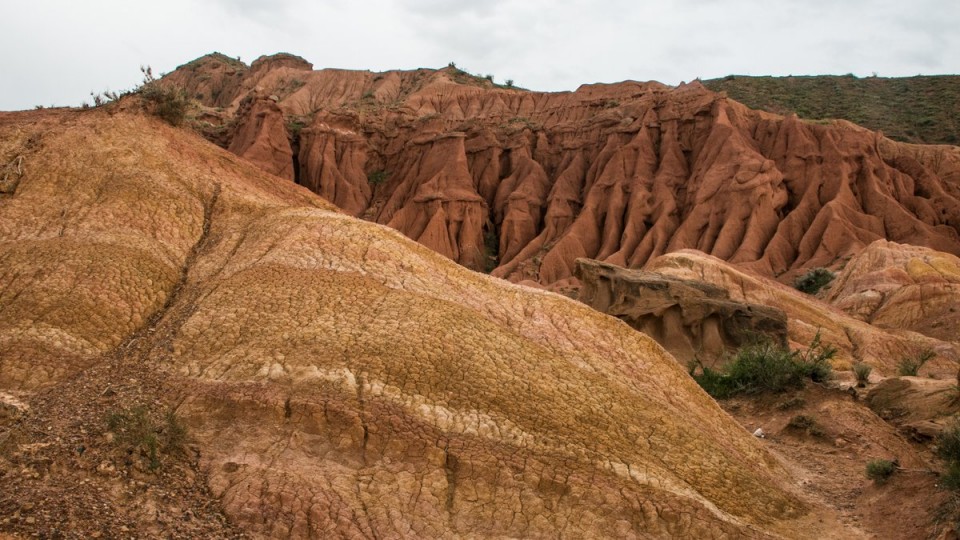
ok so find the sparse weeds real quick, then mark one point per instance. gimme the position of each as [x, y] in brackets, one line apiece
[862, 372]
[910, 366]
[795, 402]
[136, 429]
[806, 424]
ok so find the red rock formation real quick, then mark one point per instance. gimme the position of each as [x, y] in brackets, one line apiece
[620, 173]
[261, 137]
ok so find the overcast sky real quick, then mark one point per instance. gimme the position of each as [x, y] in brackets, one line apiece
[57, 52]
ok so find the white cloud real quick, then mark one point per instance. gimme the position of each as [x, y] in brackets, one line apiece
[57, 51]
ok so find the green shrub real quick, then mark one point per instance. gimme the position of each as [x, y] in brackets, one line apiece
[814, 280]
[767, 367]
[377, 177]
[136, 429]
[880, 470]
[910, 366]
[862, 372]
[169, 103]
[948, 443]
[948, 449]
[801, 421]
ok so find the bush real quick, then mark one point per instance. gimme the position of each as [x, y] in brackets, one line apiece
[136, 429]
[862, 372]
[767, 367]
[807, 424]
[910, 366]
[170, 104]
[801, 421]
[377, 177]
[948, 449]
[814, 280]
[880, 470]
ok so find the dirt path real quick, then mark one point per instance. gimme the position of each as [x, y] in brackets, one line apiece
[829, 457]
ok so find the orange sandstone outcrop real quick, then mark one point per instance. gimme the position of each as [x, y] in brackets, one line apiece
[337, 379]
[527, 182]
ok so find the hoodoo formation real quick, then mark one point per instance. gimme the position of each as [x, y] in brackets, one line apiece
[524, 183]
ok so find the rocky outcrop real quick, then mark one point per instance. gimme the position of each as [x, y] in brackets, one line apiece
[335, 378]
[893, 285]
[620, 173]
[691, 319]
[261, 137]
[856, 340]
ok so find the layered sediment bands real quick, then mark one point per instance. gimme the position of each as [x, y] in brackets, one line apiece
[694, 320]
[620, 173]
[856, 340]
[338, 379]
[898, 286]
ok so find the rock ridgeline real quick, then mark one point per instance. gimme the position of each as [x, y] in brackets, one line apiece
[523, 183]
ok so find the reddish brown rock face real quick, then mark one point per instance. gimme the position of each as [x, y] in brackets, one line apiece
[527, 182]
[261, 138]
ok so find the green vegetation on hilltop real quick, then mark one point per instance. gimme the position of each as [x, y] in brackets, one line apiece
[921, 109]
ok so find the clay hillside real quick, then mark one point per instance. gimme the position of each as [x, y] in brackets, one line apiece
[523, 183]
[192, 347]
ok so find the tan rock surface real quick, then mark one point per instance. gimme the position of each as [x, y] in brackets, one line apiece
[899, 286]
[856, 340]
[692, 319]
[620, 173]
[337, 379]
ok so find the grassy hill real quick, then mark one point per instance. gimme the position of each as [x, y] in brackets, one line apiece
[921, 109]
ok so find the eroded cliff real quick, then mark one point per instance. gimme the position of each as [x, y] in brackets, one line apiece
[524, 183]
